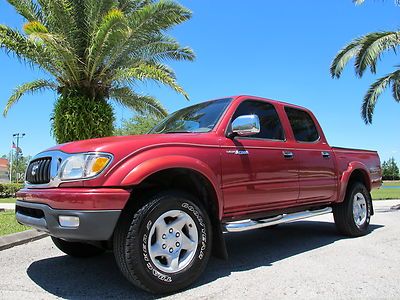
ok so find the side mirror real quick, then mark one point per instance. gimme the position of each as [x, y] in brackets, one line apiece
[246, 125]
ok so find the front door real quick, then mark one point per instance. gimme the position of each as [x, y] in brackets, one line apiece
[258, 171]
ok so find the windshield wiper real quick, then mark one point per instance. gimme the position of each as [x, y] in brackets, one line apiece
[177, 131]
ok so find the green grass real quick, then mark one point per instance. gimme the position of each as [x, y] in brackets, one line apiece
[385, 194]
[8, 224]
[7, 200]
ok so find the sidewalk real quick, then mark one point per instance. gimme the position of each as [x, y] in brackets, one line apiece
[385, 205]
[7, 206]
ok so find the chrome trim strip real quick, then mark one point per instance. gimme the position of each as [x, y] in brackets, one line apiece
[243, 225]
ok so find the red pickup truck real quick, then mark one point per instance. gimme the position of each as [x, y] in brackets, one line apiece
[162, 201]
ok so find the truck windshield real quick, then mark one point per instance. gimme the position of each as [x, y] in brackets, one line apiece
[197, 118]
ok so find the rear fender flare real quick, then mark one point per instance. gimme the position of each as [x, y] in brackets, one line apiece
[345, 177]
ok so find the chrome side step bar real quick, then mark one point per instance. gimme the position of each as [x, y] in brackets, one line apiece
[243, 225]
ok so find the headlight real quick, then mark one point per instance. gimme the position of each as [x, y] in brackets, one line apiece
[81, 166]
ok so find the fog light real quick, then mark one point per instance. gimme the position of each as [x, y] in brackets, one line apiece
[68, 221]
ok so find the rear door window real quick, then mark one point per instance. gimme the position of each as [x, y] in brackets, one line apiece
[302, 124]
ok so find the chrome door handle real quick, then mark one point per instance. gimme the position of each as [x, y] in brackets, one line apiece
[325, 154]
[288, 154]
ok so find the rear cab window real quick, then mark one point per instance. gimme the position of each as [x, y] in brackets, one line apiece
[302, 124]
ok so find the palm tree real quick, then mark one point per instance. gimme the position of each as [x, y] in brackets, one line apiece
[96, 51]
[367, 50]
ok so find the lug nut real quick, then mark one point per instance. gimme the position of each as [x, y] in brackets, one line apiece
[164, 236]
[164, 246]
[171, 230]
[177, 244]
[171, 250]
[190, 225]
[178, 234]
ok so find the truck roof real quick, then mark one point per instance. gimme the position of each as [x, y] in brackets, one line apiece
[277, 102]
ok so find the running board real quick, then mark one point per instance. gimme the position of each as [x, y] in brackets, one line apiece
[243, 225]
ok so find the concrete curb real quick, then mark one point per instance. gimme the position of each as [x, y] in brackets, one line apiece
[7, 206]
[19, 238]
[396, 207]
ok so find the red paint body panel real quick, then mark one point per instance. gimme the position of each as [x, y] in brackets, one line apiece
[261, 181]
[77, 198]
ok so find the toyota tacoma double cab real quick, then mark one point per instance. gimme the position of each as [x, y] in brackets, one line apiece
[163, 201]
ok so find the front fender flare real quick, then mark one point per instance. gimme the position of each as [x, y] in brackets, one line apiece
[146, 168]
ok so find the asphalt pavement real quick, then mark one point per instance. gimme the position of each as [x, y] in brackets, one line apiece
[305, 259]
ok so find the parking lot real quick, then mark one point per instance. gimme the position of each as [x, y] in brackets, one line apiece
[306, 259]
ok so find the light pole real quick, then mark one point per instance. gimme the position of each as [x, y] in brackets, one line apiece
[17, 136]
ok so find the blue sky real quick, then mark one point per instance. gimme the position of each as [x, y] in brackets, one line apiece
[275, 49]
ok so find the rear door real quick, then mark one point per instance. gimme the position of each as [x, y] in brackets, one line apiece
[256, 174]
[317, 172]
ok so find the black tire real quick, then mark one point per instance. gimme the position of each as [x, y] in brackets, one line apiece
[343, 212]
[270, 227]
[133, 235]
[77, 249]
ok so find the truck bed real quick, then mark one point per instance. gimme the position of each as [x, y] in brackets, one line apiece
[368, 158]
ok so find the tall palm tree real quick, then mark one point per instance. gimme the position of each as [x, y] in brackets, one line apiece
[367, 50]
[96, 51]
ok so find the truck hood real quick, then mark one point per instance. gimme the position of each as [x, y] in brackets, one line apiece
[121, 146]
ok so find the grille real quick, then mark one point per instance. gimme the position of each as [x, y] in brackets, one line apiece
[31, 212]
[38, 171]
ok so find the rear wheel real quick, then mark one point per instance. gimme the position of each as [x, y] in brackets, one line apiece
[352, 217]
[165, 245]
[77, 249]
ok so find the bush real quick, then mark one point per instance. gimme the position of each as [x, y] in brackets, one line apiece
[9, 189]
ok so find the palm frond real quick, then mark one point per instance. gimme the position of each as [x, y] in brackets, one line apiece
[158, 16]
[61, 49]
[28, 50]
[371, 49]
[129, 6]
[343, 57]
[375, 90]
[30, 87]
[127, 52]
[140, 103]
[62, 21]
[94, 12]
[29, 9]
[110, 30]
[161, 47]
[157, 72]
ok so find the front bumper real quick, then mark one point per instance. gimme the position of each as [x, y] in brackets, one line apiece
[98, 211]
[94, 225]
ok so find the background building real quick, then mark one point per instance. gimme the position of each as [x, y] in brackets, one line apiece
[4, 171]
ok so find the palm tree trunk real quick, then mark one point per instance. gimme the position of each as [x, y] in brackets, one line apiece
[78, 117]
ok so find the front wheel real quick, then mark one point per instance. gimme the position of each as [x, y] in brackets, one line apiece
[77, 249]
[165, 245]
[352, 216]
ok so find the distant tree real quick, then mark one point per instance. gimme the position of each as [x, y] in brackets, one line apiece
[367, 51]
[390, 170]
[139, 124]
[18, 171]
